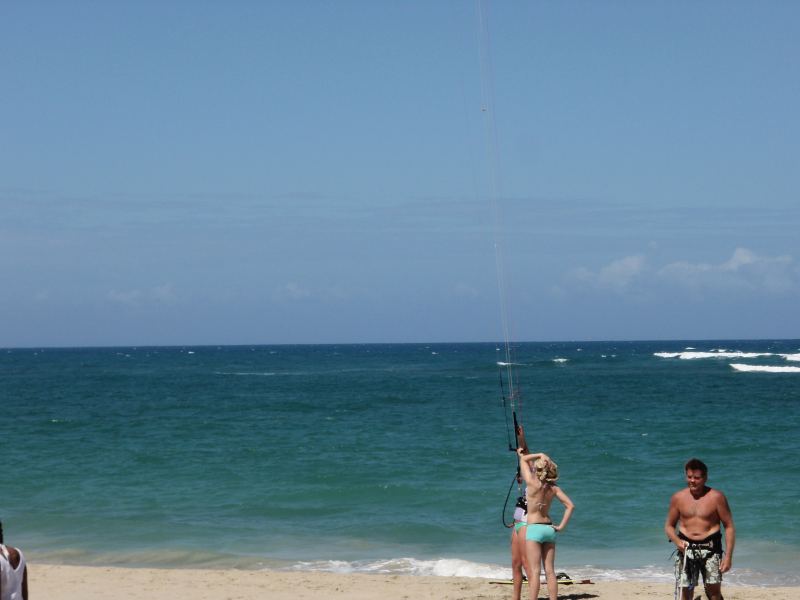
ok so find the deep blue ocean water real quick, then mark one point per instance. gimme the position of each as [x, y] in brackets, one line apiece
[392, 457]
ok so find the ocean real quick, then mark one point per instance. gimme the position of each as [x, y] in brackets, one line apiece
[393, 458]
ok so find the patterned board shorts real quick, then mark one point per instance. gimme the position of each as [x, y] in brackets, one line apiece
[699, 561]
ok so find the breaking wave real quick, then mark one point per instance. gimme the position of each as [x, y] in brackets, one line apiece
[442, 567]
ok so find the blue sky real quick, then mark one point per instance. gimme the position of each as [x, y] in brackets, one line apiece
[311, 172]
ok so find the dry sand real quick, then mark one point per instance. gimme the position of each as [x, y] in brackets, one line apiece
[52, 582]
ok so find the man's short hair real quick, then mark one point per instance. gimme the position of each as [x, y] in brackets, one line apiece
[695, 464]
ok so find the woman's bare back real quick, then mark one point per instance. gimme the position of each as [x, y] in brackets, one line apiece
[540, 497]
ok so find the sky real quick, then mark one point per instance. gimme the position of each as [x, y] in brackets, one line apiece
[176, 173]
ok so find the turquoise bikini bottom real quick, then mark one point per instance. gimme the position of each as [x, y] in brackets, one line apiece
[541, 532]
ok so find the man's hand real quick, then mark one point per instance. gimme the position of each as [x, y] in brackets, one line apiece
[726, 564]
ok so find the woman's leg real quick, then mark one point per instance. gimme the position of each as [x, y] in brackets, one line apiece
[523, 550]
[516, 564]
[549, 560]
[534, 551]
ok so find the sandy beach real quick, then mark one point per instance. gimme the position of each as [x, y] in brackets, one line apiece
[58, 582]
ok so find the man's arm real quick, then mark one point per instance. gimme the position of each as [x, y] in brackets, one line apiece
[673, 514]
[726, 518]
[521, 439]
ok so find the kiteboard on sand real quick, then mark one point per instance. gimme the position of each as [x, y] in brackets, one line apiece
[562, 578]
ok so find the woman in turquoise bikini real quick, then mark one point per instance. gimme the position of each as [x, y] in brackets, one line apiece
[540, 534]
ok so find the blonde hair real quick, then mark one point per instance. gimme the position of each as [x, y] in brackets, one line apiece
[546, 471]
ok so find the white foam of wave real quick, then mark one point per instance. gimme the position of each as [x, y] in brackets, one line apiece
[245, 374]
[713, 354]
[647, 573]
[455, 567]
[764, 368]
[791, 357]
[442, 567]
[560, 360]
[505, 364]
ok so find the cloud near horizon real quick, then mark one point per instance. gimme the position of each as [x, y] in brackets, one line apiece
[158, 295]
[743, 271]
[617, 276]
[294, 291]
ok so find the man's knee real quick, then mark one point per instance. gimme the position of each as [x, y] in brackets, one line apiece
[714, 592]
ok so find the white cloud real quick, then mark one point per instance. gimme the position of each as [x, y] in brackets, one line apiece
[463, 290]
[291, 291]
[127, 297]
[163, 294]
[158, 295]
[337, 292]
[744, 270]
[617, 276]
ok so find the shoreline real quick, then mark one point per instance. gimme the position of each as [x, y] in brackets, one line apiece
[63, 582]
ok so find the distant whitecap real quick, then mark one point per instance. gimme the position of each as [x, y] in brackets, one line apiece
[712, 354]
[764, 368]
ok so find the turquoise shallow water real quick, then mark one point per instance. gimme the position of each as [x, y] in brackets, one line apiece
[391, 457]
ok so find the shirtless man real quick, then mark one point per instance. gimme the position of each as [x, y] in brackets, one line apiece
[701, 511]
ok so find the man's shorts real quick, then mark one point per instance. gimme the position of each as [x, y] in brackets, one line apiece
[699, 561]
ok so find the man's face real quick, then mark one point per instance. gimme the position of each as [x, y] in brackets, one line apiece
[695, 480]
